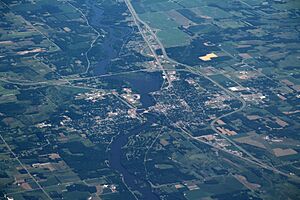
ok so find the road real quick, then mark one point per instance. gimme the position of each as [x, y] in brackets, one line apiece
[143, 29]
[264, 166]
[25, 168]
[137, 22]
[93, 41]
[253, 160]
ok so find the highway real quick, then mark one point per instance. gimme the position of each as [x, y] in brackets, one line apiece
[253, 160]
[137, 22]
[144, 28]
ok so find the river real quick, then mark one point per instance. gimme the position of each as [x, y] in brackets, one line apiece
[132, 181]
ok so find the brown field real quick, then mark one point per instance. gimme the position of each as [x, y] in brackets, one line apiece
[220, 122]
[249, 140]
[226, 131]
[253, 117]
[26, 186]
[280, 122]
[245, 55]
[164, 142]
[284, 152]
[30, 51]
[54, 156]
[243, 180]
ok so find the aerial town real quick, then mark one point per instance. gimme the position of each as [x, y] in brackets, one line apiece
[149, 99]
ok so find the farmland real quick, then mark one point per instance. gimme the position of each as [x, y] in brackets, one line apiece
[149, 99]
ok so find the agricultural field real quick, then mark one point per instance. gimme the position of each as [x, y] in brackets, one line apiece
[149, 99]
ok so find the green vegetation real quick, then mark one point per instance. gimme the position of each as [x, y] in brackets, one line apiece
[149, 99]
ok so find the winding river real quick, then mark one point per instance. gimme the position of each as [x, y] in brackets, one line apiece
[132, 181]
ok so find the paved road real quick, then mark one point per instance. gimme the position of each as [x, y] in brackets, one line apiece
[192, 70]
[138, 21]
[25, 168]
